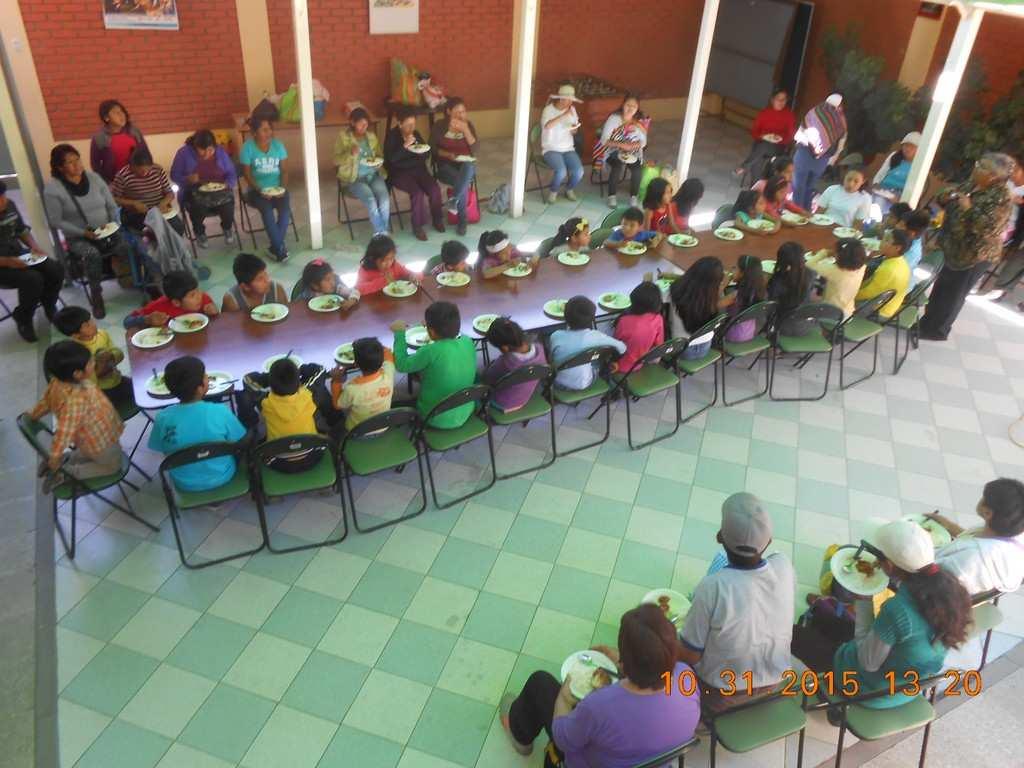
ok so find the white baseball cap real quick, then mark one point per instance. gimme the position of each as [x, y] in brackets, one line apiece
[905, 544]
[835, 99]
[914, 137]
[746, 526]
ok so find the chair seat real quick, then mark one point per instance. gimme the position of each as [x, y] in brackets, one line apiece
[372, 454]
[536, 406]
[690, 367]
[858, 329]
[67, 491]
[984, 617]
[907, 318]
[572, 396]
[237, 486]
[871, 724]
[761, 724]
[649, 380]
[812, 342]
[320, 475]
[741, 348]
[446, 439]
[127, 410]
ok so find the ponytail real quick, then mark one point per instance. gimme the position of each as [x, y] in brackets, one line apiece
[943, 602]
[566, 231]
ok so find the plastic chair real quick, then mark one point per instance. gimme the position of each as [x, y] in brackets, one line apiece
[985, 617]
[432, 262]
[239, 485]
[908, 320]
[384, 441]
[396, 209]
[440, 440]
[545, 247]
[859, 329]
[72, 489]
[601, 357]
[246, 219]
[273, 483]
[758, 722]
[614, 218]
[653, 373]
[678, 754]
[762, 314]
[598, 236]
[539, 404]
[813, 343]
[686, 368]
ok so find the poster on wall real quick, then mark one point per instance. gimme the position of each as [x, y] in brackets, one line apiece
[394, 17]
[140, 14]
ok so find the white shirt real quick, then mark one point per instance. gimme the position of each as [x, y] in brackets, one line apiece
[742, 619]
[635, 133]
[845, 207]
[557, 138]
[1015, 192]
[984, 564]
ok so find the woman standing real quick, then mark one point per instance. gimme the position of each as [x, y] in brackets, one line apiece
[405, 156]
[819, 142]
[264, 163]
[201, 161]
[559, 123]
[621, 148]
[772, 132]
[113, 144]
[452, 138]
[359, 159]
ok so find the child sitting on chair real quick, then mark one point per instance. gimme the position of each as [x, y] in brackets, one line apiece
[380, 267]
[453, 258]
[370, 393]
[289, 410]
[254, 286]
[579, 335]
[631, 230]
[320, 279]
[572, 237]
[78, 324]
[517, 351]
[181, 297]
[495, 254]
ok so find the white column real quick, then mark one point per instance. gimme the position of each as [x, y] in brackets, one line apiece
[693, 101]
[304, 67]
[32, 209]
[527, 33]
[942, 102]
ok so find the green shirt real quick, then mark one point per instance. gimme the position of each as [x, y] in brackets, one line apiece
[445, 366]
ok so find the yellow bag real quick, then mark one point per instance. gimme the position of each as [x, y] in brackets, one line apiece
[403, 83]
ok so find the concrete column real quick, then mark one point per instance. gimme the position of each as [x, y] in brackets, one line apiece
[697, 78]
[526, 32]
[304, 67]
[257, 50]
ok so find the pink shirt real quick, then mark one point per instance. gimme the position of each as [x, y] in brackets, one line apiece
[640, 333]
[373, 280]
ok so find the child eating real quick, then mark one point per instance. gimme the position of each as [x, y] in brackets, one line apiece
[892, 274]
[453, 258]
[641, 327]
[77, 324]
[380, 267]
[750, 290]
[369, 394]
[572, 237]
[631, 230]
[181, 297]
[254, 286]
[320, 279]
[517, 351]
[579, 335]
[495, 254]
[751, 206]
[289, 410]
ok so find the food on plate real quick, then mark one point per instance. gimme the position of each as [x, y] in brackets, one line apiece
[863, 566]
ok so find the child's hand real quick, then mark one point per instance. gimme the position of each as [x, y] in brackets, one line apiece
[535, 260]
[337, 373]
[210, 310]
[398, 326]
[104, 362]
[416, 277]
[349, 303]
[156, 319]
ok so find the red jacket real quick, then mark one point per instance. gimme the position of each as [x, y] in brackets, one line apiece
[165, 305]
[641, 333]
[373, 280]
[779, 121]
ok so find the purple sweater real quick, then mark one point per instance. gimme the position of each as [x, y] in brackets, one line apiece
[185, 162]
[511, 398]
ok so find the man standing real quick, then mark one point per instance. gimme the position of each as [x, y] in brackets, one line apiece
[819, 142]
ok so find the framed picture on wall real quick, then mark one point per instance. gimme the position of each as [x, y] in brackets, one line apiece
[394, 17]
[140, 14]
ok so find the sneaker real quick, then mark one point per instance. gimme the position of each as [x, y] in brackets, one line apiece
[229, 236]
[284, 254]
[420, 234]
[550, 197]
[460, 228]
[613, 201]
[27, 331]
[202, 241]
[203, 272]
[570, 195]
[633, 201]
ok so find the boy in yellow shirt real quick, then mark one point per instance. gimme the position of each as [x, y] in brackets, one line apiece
[892, 274]
[369, 394]
[289, 410]
[77, 324]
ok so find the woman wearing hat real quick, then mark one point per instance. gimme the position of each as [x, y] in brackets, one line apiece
[927, 615]
[559, 123]
[892, 175]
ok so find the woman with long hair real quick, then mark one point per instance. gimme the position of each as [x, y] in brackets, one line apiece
[790, 285]
[696, 297]
[621, 148]
[199, 162]
[453, 138]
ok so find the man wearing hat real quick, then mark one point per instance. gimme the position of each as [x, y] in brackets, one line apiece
[559, 123]
[819, 142]
[738, 630]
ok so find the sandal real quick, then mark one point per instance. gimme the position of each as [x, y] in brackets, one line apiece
[503, 711]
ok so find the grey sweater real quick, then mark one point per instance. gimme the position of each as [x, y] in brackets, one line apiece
[98, 206]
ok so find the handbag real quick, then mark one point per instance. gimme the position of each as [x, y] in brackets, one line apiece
[472, 207]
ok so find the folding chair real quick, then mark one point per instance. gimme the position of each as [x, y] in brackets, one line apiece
[598, 177]
[598, 236]
[746, 727]
[72, 489]
[816, 342]
[385, 441]
[6, 310]
[540, 404]
[653, 373]
[908, 320]
[686, 368]
[128, 411]
[274, 483]
[190, 234]
[601, 358]
[678, 754]
[246, 219]
[614, 218]
[396, 209]
[545, 247]
[859, 329]
[440, 440]
[722, 215]
[761, 314]
[985, 617]
[432, 262]
[537, 160]
[241, 484]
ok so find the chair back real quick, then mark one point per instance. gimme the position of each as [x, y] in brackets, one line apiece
[722, 214]
[597, 237]
[545, 246]
[201, 452]
[933, 260]
[601, 356]
[843, 701]
[527, 373]
[614, 218]
[762, 313]
[477, 393]
[535, 141]
[294, 444]
[817, 313]
[917, 293]
[375, 426]
[664, 354]
[870, 307]
[713, 325]
[296, 290]
[672, 754]
[992, 596]
[432, 262]
[30, 429]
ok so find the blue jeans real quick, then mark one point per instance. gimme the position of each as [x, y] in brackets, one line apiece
[807, 169]
[459, 176]
[697, 351]
[372, 191]
[564, 164]
[276, 229]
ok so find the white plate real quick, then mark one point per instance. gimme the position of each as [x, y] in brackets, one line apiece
[220, 381]
[627, 158]
[845, 232]
[728, 233]
[682, 241]
[940, 536]
[614, 301]
[768, 266]
[465, 159]
[760, 224]
[871, 243]
[274, 358]
[822, 220]
[156, 386]
[31, 259]
[106, 230]
[453, 279]
[344, 354]
[400, 289]
[519, 270]
[482, 323]
[273, 191]
[151, 338]
[373, 162]
[794, 218]
[582, 665]
[269, 313]
[212, 186]
[419, 149]
[187, 323]
[170, 214]
[855, 581]
[417, 336]
[633, 248]
[772, 138]
[573, 258]
[329, 302]
[555, 308]
[675, 608]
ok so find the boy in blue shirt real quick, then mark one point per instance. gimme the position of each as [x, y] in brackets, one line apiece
[195, 421]
[579, 335]
[631, 231]
[916, 224]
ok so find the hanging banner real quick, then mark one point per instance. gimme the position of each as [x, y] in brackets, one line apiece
[394, 17]
[140, 14]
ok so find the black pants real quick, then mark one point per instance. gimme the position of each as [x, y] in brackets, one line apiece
[136, 221]
[198, 208]
[122, 394]
[534, 709]
[36, 285]
[947, 299]
[617, 171]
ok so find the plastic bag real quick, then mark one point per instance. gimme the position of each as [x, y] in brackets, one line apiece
[651, 172]
[290, 109]
[404, 80]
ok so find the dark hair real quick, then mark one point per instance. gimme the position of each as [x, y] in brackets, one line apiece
[745, 202]
[626, 97]
[850, 254]
[141, 156]
[70, 319]
[404, 113]
[453, 253]
[314, 272]
[492, 237]
[566, 231]
[1005, 497]
[62, 359]
[774, 166]
[917, 221]
[773, 185]
[183, 376]
[246, 266]
[368, 353]
[284, 377]
[901, 239]
[644, 299]
[695, 294]
[579, 313]
[109, 104]
[648, 645]
[452, 103]
[505, 333]
[3, 188]
[358, 114]
[899, 211]
[633, 214]
[943, 602]
[443, 318]
[776, 90]
[255, 122]
[57, 156]
[376, 250]
[655, 192]
[688, 195]
[750, 288]
[897, 158]
[202, 139]
[790, 281]
[178, 283]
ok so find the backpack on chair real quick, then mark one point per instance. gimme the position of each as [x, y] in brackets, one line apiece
[499, 200]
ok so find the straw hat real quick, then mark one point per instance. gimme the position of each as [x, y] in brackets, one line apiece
[566, 92]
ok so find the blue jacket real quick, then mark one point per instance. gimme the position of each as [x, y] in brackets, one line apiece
[185, 162]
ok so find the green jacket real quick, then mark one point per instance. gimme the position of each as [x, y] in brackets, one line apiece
[348, 164]
[445, 367]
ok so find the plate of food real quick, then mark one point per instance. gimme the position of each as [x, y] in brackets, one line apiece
[589, 671]
[417, 336]
[772, 138]
[269, 313]
[940, 536]
[465, 159]
[555, 308]
[274, 358]
[106, 230]
[151, 338]
[213, 186]
[794, 218]
[518, 270]
[188, 323]
[482, 323]
[273, 191]
[822, 220]
[680, 240]
[170, 213]
[673, 604]
[453, 279]
[763, 224]
[573, 258]
[329, 302]
[419, 149]
[400, 289]
[861, 574]
[220, 381]
[768, 266]
[728, 233]
[31, 259]
[633, 248]
[156, 386]
[344, 354]
[373, 162]
[614, 301]
[627, 158]
[871, 243]
[846, 232]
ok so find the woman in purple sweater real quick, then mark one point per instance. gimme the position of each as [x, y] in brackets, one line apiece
[620, 725]
[517, 351]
